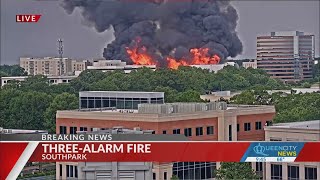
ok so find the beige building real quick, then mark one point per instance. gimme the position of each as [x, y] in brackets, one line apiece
[112, 65]
[50, 66]
[218, 95]
[296, 131]
[287, 55]
[252, 64]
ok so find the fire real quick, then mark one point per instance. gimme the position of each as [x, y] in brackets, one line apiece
[173, 64]
[139, 55]
[199, 56]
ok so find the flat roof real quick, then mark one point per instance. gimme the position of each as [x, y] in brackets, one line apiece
[124, 94]
[22, 131]
[311, 125]
[156, 117]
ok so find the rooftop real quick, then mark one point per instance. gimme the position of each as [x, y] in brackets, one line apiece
[21, 131]
[310, 125]
[117, 130]
[154, 113]
[121, 94]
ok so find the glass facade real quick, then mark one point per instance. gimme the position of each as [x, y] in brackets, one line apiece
[194, 170]
[117, 102]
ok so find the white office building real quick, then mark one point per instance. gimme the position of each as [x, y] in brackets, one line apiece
[295, 131]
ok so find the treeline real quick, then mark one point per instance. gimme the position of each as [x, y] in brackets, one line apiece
[11, 70]
[289, 107]
[32, 104]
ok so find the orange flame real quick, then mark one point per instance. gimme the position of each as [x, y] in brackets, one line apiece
[174, 64]
[139, 56]
[199, 56]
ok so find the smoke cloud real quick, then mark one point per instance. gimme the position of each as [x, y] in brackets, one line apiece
[166, 28]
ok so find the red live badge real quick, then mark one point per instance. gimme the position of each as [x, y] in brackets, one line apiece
[29, 18]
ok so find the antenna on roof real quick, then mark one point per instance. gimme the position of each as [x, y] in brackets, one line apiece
[60, 51]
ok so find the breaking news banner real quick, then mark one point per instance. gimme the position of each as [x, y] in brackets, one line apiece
[18, 149]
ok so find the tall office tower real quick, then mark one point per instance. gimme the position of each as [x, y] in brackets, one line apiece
[287, 55]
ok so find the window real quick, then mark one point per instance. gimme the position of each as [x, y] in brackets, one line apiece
[293, 172]
[188, 132]
[238, 127]
[258, 125]
[199, 131]
[71, 171]
[73, 130]
[259, 169]
[310, 173]
[83, 129]
[76, 171]
[60, 169]
[269, 123]
[247, 126]
[194, 170]
[164, 132]
[230, 132]
[276, 171]
[176, 131]
[67, 170]
[63, 130]
[154, 176]
[165, 176]
[210, 130]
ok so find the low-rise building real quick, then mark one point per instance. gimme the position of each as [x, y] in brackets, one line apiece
[51, 79]
[218, 95]
[251, 64]
[21, 131]
[215, 121]
[295, 131]
[215, 67]
[112, 65]
[118, 99]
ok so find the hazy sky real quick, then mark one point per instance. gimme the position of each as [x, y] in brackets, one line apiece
[80, 41]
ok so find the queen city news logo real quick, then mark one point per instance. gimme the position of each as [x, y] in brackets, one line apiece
[276, 150]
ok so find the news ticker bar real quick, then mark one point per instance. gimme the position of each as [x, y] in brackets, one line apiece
[15, 154]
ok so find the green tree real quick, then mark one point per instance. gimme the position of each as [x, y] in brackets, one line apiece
[64, 101]
[6, 96]
[246, 97]
[306, 85]
[12, 70]
[189, 96]
[170, 94]
[26, 110]
[35, 83]
[236, 170]
[87, 77]
[174, 177]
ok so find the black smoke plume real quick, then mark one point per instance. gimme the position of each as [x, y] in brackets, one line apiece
[165, 28]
